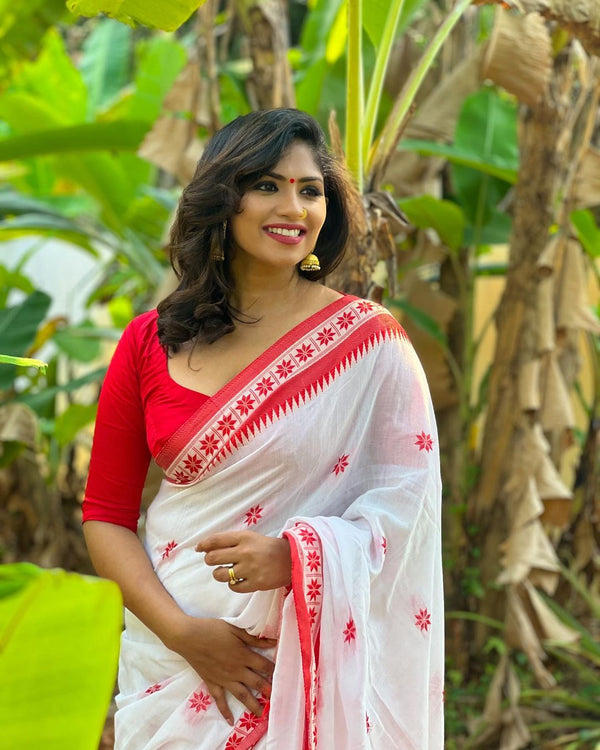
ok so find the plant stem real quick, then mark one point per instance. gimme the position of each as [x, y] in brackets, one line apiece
[381, 63]
[387, 142]
[355, 93]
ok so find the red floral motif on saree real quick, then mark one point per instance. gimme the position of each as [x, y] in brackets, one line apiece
[227, 425]
[245, 404]
[369, 725]
[423, 620]
[345, 320]
[192, 463]
[313, 590]
[304, 352]
[326, 336]
[209, 445]
[265, 386]
[350, 631]
[284, 369]
[364, 306]
[249, 728]
[200, 701]
[248, 720]
[313, 561]
[384, 545]
[234, 742]
[168, 548]
[341, 464]
[153, 688]
[253, 515]
[307, 535]
[281, 379]
[424, 442]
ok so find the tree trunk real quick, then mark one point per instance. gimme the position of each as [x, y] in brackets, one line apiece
[553, 137]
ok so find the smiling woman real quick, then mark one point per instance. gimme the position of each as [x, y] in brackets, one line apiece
[296, 534]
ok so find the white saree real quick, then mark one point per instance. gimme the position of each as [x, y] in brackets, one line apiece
[328, 437]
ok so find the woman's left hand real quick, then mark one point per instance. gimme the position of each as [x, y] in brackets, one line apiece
[262, 562]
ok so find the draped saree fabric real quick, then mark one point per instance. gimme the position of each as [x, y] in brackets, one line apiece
[329, 438]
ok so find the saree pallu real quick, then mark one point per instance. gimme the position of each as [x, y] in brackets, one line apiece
[329, 438]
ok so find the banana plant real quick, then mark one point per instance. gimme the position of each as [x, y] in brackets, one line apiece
[367, 152]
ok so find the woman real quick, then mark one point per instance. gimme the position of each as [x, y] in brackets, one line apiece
[288, 591]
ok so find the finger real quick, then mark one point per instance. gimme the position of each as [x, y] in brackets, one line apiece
[244, 695]
[257, 683]
[224, 556]
[262, 666]
[220, 700]
[243, 586]
[218, 541]
[254, 640]
[222, 575]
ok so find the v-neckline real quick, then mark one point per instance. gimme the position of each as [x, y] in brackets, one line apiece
[280, 344]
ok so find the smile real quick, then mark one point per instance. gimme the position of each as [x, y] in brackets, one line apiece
[284, 232]
[287, 235]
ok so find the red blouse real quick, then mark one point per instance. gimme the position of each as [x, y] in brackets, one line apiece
[140, 407]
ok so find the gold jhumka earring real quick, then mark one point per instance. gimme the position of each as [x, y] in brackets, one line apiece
[311, 262]
[217, 242]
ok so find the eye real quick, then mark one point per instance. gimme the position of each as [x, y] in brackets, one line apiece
[312, 191]
[266, 186]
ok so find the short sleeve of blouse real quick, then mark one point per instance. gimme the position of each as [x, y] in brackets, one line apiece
[120, 454]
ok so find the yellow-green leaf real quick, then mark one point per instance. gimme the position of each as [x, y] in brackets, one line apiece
[59, 640]
[156, 13]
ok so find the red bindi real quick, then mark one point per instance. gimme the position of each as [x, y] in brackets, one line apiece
[292, 180]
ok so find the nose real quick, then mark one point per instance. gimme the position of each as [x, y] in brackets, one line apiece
[291, 205]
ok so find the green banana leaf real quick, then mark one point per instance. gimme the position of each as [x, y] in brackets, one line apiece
[105, 63]
[445, 217]
[18, 328]
[93, 136]
[587, 231]
[376, 15]
[155, 13]
[59, 640]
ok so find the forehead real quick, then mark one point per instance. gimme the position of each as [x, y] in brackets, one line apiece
[298, 160]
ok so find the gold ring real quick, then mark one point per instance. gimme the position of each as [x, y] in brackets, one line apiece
[232, 578]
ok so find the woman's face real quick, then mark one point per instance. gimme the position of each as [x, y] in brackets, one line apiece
[282, 213]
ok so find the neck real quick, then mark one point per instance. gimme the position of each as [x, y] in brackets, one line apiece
[263, 291]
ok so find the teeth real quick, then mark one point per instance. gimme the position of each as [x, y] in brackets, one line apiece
[285, 232]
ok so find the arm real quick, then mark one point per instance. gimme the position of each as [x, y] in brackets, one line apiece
[219, 652]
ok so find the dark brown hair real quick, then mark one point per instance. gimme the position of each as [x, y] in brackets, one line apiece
[234, 158]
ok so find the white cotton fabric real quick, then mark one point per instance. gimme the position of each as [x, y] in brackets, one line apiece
[379, 683]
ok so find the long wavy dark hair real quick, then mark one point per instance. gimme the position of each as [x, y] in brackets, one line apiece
[236, 156]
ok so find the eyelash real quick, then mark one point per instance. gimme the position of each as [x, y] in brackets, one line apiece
[314, 191]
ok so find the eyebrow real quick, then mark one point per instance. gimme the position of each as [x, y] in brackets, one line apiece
[302, 179]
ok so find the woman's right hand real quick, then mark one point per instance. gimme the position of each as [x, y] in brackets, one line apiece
[223, 657]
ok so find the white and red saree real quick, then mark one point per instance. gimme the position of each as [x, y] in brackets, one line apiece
[329, 438]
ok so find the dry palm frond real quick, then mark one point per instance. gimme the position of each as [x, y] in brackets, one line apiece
[519, 55]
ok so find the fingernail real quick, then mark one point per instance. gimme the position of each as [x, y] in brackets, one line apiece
[230, 722]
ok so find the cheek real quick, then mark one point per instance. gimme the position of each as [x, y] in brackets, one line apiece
[320, 219]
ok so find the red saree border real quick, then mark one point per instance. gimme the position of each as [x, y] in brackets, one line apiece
[294, 369]
[307, 586]
[247, 733]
